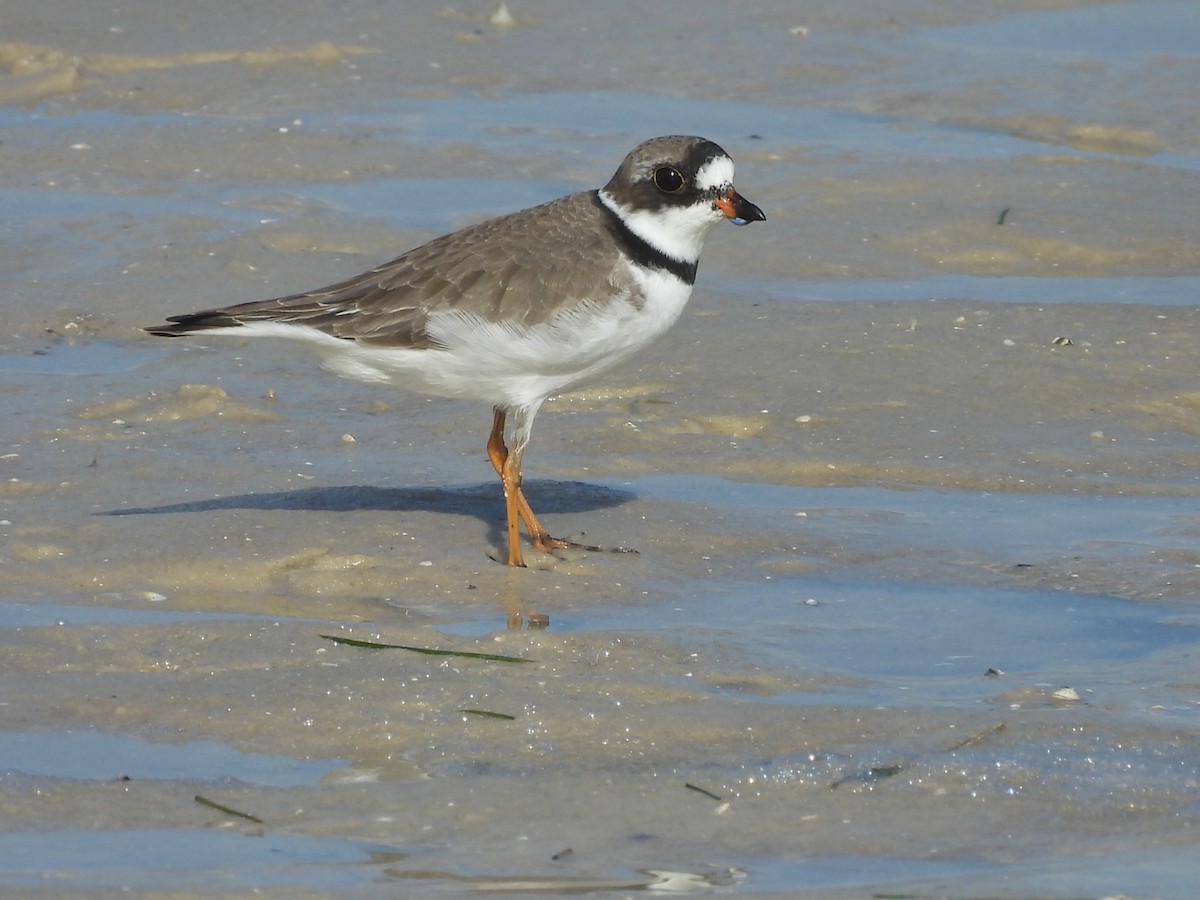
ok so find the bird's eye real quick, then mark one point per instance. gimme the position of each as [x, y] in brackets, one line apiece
[668, 180]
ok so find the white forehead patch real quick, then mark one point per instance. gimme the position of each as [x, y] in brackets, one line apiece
[716, 173]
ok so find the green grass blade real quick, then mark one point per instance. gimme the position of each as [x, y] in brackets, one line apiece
[375, 645]
[229, 811]
[488, 714]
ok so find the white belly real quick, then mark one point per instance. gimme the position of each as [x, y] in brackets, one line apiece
[503, 363]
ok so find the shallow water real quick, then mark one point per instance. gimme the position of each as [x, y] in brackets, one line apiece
[912, 485]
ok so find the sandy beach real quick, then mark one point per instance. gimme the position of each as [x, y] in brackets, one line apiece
[913, 484]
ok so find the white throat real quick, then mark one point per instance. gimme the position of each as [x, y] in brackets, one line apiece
[676, 231]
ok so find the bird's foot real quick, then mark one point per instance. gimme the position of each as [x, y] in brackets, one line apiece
[555, 547]
[548, 544]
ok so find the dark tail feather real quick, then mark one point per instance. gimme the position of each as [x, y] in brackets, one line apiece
[177, 326]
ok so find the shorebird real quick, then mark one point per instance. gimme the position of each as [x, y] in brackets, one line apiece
[521, 307]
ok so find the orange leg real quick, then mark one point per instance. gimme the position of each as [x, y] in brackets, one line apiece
[499, 455]
[508, 466]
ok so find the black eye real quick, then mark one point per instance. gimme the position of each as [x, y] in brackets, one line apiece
[668, 180]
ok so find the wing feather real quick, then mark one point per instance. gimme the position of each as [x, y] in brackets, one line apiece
[524, 267]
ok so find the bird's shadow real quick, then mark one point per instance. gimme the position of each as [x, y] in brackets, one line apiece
[484, 501]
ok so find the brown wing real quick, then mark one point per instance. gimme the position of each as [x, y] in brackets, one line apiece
[524, 267]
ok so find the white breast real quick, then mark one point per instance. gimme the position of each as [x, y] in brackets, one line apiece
[504, 363]
[522, 365]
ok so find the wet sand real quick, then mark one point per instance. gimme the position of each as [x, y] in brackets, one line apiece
[912, 484]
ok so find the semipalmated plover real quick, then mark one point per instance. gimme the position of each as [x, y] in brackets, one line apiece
[521, 307]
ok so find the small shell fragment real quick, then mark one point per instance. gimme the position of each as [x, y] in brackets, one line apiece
[501, 17]
[1066, 693]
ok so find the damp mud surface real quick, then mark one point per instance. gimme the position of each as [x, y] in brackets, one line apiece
[914, 485]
